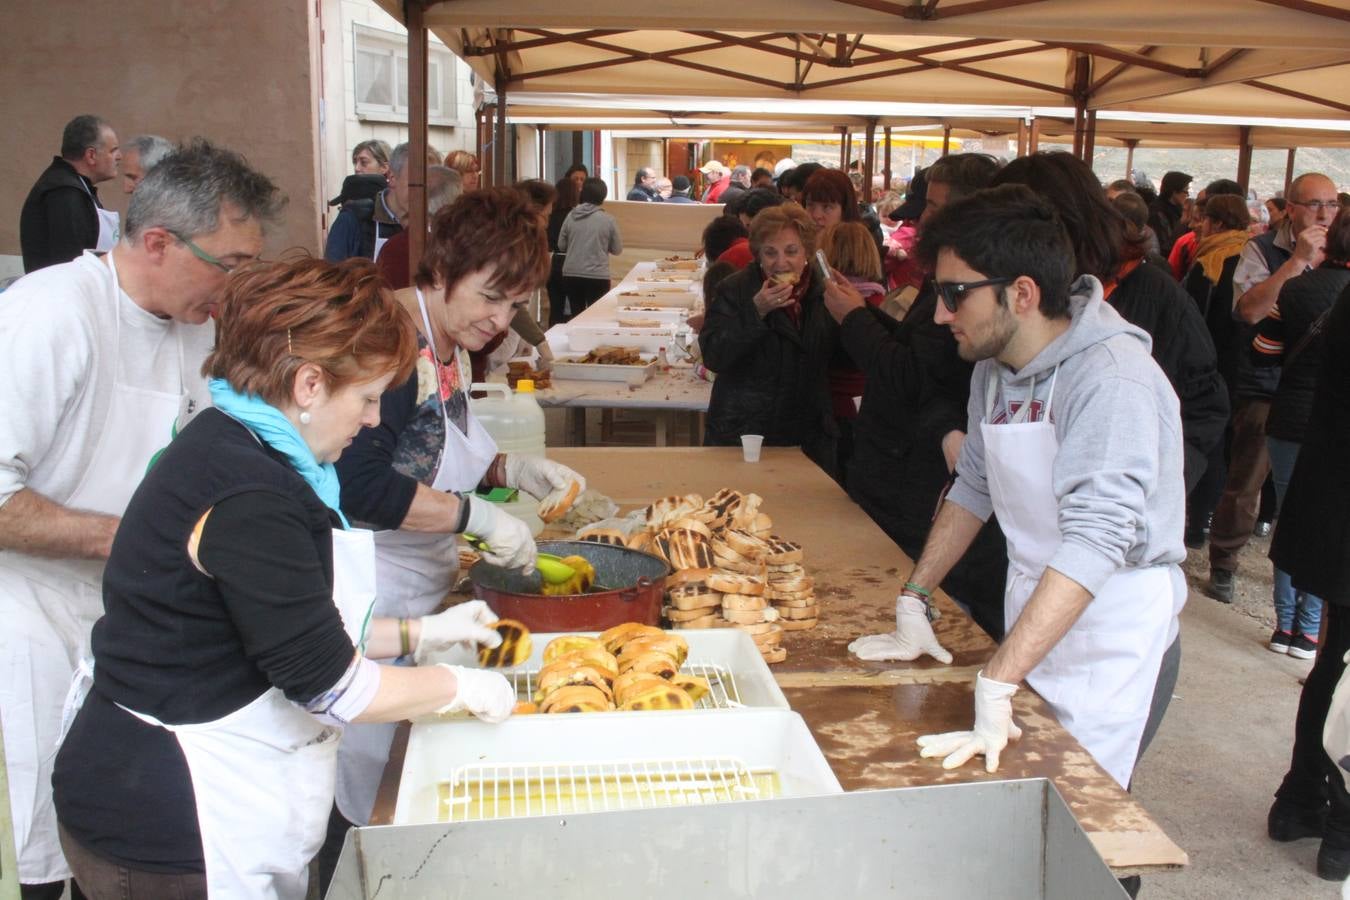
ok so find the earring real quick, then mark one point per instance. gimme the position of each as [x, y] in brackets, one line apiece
[305, 417]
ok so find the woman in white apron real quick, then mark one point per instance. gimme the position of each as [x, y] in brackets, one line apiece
[201, 754]
[488, 252]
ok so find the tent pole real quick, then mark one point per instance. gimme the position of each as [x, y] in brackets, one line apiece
[1130, 144]
[845, 147]
[946, 139]
[500, 174]
[1289, 170]
[886, 166]
[487, 168]
[1244, 172]
[1081, 73]
[539, 135]
[1034, 136]
[416, 172]
[1090, 137]
[1021, 137]
[869, 162]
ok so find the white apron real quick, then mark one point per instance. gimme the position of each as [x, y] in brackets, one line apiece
[109, 224]
[50, 606]
[263, 775]
[1099, 678]
[415, 571]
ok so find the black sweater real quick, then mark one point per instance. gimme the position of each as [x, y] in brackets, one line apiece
[58, 221]
[1182, 347]
[188, 648]
[1302, 300]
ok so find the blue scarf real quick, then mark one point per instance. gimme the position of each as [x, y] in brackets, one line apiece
[272, 427]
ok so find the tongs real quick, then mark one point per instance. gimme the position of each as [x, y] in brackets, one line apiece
[551, 568]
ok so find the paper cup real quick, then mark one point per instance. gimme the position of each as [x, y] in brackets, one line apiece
[750, 445]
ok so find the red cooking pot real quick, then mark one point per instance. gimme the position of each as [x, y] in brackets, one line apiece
[629, 587]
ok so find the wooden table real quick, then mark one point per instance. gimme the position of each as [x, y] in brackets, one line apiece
[671, 394]
[865, 716]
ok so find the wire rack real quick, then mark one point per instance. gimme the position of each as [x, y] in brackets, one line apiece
[722, 693]
[487, 791]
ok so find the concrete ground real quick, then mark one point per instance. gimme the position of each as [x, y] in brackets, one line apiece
[1209, 777]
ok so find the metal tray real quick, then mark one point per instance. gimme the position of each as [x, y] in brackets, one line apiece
[546, 757]
[742, 677]
[1014, 840]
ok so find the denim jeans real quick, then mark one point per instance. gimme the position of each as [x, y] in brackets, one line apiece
[1296, 612]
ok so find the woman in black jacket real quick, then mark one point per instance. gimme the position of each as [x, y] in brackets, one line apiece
[1291, 338]
[770, 340]
[563, 204]
[1312, 544]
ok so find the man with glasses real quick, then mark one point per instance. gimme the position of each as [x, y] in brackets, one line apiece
[1074, 440]
[100, 365]
[1265, 264]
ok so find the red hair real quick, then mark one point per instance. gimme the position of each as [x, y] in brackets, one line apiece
[276, 317]
[497, 228]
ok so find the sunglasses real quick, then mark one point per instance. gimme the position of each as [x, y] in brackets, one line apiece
[953, 292]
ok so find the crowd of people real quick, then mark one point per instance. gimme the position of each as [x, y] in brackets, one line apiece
[230, 486]
[996, 294]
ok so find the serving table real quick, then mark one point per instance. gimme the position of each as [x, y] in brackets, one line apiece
[865, 716]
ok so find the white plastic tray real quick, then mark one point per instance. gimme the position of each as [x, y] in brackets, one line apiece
[566, 368]
[657, 295]
[584, 338]
[668, 315]
[771, 739]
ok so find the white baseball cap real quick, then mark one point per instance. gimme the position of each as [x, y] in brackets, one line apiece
[711, 166]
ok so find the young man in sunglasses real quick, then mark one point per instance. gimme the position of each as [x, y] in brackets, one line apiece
[1074, 440]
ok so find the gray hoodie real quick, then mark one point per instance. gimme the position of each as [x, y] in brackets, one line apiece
[1117, 476]
[589, 236]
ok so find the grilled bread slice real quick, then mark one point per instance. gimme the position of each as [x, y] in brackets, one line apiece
[514, 649]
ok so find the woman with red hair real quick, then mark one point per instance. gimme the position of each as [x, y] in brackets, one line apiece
[235, 645]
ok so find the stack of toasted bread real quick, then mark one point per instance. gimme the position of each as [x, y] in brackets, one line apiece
[628, 667]
[731, 571]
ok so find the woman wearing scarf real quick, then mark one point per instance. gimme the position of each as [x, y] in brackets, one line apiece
[770, 340]
[236, 643]
[1223, 232]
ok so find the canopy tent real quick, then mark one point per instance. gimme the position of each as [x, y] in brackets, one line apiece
[1249, 58]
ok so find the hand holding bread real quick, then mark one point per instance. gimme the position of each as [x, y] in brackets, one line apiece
[775, 292]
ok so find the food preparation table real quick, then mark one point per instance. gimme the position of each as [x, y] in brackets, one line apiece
[865, 716]
[671, 394]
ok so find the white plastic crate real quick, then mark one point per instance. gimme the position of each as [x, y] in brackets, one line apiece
[769, 749]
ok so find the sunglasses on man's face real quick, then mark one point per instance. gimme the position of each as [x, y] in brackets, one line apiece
[953, 292]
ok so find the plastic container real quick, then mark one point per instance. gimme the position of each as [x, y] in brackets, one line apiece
[513, 418]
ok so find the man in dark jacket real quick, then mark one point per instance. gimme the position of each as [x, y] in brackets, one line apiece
[1164, 214]
[372, 216]
[1312, 544]
[913, 414]
[644, 186]
[62, 216]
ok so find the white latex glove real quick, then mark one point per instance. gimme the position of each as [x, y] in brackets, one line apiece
[540, 477]
[508, 539]
[994, 727]
[912, 638]
[465, 623]
[488, 695]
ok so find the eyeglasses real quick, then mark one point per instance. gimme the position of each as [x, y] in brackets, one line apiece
[203, 255]
[1317, 205]
[953, 292]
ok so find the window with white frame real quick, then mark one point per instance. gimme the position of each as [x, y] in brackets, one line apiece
[380, 80]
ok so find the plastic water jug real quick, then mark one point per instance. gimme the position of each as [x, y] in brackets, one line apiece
[516, 424]
[513, 418]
